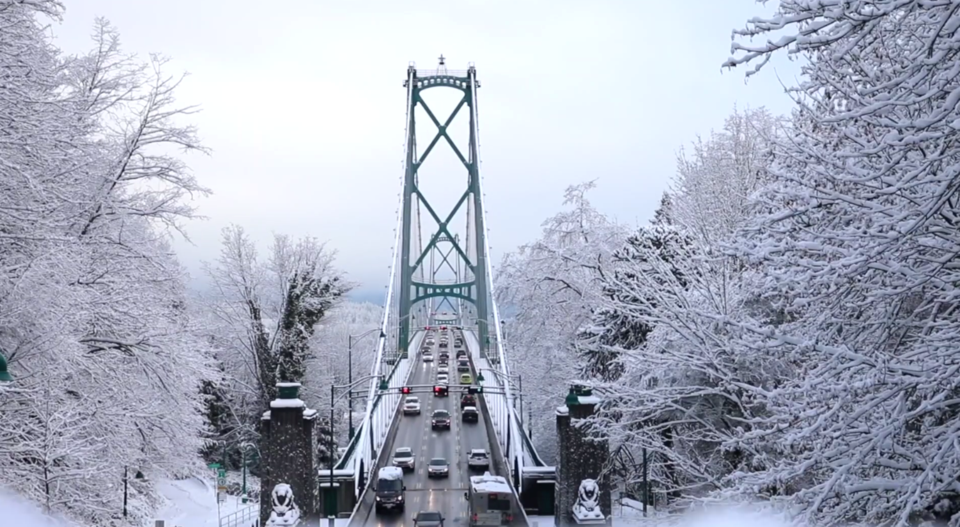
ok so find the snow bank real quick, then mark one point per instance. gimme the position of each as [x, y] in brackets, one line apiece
[728, 517]
[22, 512]
[719, 516]
[193, 503]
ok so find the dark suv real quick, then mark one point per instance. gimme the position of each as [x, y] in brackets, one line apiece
[471, 415]
[468, 400]
[440, 420]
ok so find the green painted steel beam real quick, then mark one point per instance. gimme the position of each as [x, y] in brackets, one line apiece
[444, 295]
[442, 230]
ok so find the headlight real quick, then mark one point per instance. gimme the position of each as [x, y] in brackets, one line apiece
[378, 498]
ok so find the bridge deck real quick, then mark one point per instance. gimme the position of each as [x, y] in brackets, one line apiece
[445, 495]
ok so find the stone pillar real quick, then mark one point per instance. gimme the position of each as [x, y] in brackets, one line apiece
[581, 457]
[288, 452]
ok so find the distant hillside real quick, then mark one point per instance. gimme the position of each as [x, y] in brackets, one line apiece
[373, 296]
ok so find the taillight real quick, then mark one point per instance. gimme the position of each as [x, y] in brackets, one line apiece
[473, 518]
[509, 518]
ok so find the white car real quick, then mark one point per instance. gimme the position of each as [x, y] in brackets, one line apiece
[443, 379]
[411, 405]
[428, 357]
[404, 459]
[443, 370]
[478, 459]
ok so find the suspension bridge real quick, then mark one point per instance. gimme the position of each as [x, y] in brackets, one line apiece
[439, 278]
[440, 307]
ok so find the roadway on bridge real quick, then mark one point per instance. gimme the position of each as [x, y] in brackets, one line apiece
[438, 494]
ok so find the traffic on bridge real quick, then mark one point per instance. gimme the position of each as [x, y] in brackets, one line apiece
[441, 440]
[441, 443]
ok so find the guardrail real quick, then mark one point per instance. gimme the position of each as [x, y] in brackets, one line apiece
[248, 517]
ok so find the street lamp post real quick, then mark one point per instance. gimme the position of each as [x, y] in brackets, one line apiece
[332, 493]
[243, 453]
[350, 340]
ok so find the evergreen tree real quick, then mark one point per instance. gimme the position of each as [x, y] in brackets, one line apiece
[309, 297]
[600, 344]
[217, 414]
[664, 213]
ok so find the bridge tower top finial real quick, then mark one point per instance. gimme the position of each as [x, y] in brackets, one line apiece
[442, 67]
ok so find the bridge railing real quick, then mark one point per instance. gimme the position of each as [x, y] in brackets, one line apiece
[381, 407]
[347, 461]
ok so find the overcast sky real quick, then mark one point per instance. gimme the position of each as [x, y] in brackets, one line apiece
[303, 106]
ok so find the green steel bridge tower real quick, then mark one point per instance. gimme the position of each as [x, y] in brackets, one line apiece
[468, 259]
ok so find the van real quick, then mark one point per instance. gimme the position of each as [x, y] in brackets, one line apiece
[390, 490]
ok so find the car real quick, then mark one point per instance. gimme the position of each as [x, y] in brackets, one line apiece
[443, 344]
[463, 365]
[428, 357]
[461, 354]
[468, 400]
[441, 391]
[444, 356]
[440, 420]
[403, 458]
[458, 342]
[478, 459]
[438, 468]
[471, 415]
[466, 379]
[443, 369]
[443, 379]
[411, 405]
[390, 490]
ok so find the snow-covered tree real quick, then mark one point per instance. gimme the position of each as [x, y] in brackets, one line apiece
[329, 361]
[669, 374]
[552, 286]
[717, 178]
[267, 313]
[856, 250]
[93, 315]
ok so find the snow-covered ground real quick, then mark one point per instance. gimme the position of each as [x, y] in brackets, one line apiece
[713, 517]
[21, 512]
[193, 503]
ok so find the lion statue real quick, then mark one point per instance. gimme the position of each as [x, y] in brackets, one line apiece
[587, 507]
[285, 511]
